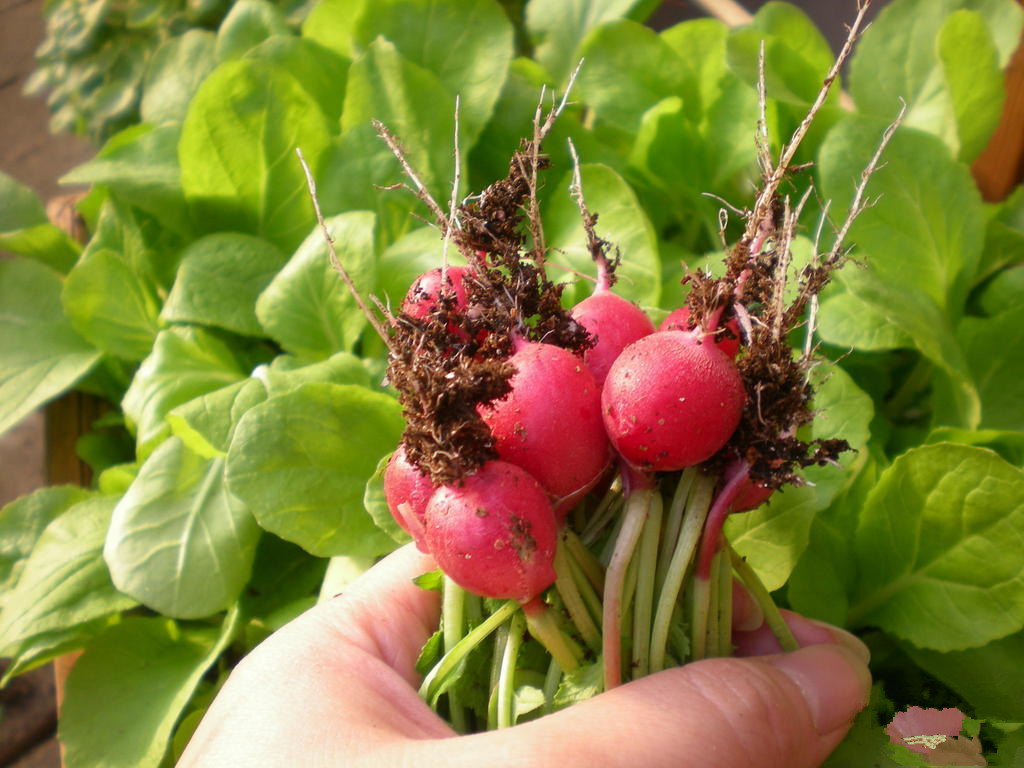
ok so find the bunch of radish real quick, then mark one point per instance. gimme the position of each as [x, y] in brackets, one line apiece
[570, 469]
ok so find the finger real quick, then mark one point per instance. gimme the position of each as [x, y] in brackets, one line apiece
[785, 711]
[746, 612]
[762, 641]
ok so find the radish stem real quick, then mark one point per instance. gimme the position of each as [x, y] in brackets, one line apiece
[574, 604]
[543, 627]
[637, 506]
[506, 677]
[645, 583]
[724, 604]
[586, 590]
[772, 616]
[693, 521]
[585, 559]
[436, 680]
[674, 521]
[453, 624]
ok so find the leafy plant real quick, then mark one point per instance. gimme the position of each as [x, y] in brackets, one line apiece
[249, 415]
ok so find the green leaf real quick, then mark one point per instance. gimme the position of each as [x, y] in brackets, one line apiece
[700, 46]
[301, 461]
[23, 521]
[847, 319]
[237, 152]
[40, 353]
[938, 549]
[774, 536]
[112, 305]
[628, 68]
[26, 230]
[376, 504]
[1004, 238]
[179, 542]
[307, 308]
[141, 164]
[990, 678]
[332, 23]
[467, 44]
[135, 681]
[411, 101]
[42, 648]
[623, 223]
[174, 73]
[997, 372]
[940, 55]
[581, 684]
[65, 581]
[185, 362]
[248, 23]
[219, 280]
[556, 28]
[797, 56]
[342, 571]
[971, 67]
[319, 70]
[1004, 291]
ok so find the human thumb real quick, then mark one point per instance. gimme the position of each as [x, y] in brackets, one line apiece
[781, 711]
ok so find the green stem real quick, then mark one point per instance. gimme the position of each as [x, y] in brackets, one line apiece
[544, 628]
[699, 618]
[586, 589]
[645, 582]
[637, 506]
[713, 639]
[697, 506]
[506, 678]
[574, 603]
[435, 681]
[674, 521]
[604, 512]
[589, 564]
[453, 625]
[552, 680]
[500, 641]
[724, 605]
[763, 598]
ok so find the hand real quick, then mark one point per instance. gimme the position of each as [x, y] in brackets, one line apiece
[337, 687]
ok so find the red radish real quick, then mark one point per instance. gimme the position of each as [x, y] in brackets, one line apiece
[615, 323]
[496, 534]
[550, 424]
[729, 343]
[425, 290]
[671, 402]
[407, 491]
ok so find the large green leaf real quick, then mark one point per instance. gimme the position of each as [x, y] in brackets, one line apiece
[938, 549]
[301, 461]
[26, 230]
[319, 70]
[557, 27]
[179, 542]
[622, 222]
[774, 536]
[219, 280]
[21, 523]
[141, 164]
[994, 349]
[628, 68]
[185, 362]
[114, 306]
[40, 353]
[307, 308]
[797, 56]
[237, 152]
[248, 23]
[332, 24]
[467, 44]
[127, 692]
[174, 73]
[942, 59]
[65, 581]
[991, 678]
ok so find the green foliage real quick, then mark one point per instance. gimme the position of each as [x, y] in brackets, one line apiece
[205, 309]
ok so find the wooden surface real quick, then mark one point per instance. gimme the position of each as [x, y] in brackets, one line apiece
[1001, 166]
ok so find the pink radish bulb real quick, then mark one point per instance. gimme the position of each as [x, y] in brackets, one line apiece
[550, 424]
[671, 402]
[407, 491]
[425, 290]
[679, 320]
[615, 323]
[496, 534]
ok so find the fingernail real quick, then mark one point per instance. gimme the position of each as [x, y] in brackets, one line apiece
[833, 679]
[847, 640]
